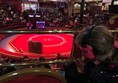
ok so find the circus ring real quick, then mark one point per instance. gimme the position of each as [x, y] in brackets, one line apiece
[16, 46]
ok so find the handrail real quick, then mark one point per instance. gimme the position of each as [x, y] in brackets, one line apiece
[61, 61]
[12, 76]
[37, 31]
[43, 31]
[113, 31]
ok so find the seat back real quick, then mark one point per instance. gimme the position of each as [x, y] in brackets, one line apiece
[33, 75]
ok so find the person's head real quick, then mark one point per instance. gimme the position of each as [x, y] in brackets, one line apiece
[41, 58]
[25, 57]
[99, 39]
[58, 55]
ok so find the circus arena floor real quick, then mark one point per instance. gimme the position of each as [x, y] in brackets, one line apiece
[46, 45]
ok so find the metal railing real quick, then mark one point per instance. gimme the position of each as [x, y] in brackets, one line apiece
[60, 61]
[43, 31]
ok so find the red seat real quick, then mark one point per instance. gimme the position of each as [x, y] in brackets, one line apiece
[33, 75]
[34, 79]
